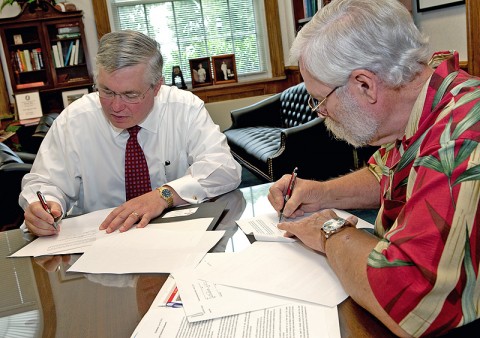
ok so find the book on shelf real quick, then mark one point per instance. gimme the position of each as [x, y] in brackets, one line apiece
[21, 57]
[17, 62]
[56, 56]
[68, 35]
[60, 53]
[72, 57]
[39, 56]
[30, 85]
[69, 53]
[63, 28]
[77, 51]
[28, 61]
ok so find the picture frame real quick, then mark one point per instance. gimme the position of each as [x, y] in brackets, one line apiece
[224, 69]
[28, 105]
[71, 95]
[201, 72]
[17, 39]
[428, 5]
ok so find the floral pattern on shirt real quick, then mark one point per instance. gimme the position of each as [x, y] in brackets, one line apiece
[424, 271]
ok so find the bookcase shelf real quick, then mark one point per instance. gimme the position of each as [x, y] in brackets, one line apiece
[46, 51]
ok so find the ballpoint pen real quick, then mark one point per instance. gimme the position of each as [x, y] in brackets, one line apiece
[43, 201]
[291, 184]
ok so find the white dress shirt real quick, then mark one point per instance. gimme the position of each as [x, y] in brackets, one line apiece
[81, 161]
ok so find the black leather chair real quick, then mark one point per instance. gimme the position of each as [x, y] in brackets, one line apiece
[32, 144]
[279, 133]
[13, 166]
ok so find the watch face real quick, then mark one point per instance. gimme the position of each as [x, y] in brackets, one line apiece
[333, 224]
[166, 193]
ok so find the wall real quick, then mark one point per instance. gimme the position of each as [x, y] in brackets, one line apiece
[446, 27]
[220, 111]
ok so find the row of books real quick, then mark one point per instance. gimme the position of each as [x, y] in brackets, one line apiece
[67, 53]
[28, 60]
[310, 7]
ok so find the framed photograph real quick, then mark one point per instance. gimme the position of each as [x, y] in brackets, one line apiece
[224, 68]
[428, 5]
[201, 72]
[28, 105]
[17, 39]
[72, 95]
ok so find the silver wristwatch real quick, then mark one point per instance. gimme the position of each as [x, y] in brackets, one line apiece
[333, 226]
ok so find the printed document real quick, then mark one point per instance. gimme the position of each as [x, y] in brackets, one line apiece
[264, 227]
[291, 320]
[204, 300]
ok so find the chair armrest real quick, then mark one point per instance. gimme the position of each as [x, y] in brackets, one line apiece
[263, 113]
[313, 149]
[16, 168]
[26, 157]
[296, 137]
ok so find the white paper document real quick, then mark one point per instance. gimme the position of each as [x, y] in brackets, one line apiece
[80, 232]
[204, 300]
[285, 269]
[264, 227]
[292, 320]
[147, 250]
[76, 234]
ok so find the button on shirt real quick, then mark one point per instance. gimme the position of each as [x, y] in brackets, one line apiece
[80, 163]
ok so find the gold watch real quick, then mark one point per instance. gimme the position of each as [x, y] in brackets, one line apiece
[167, 195]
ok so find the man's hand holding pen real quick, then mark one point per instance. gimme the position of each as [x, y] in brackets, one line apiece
[42, 217]
[291, 185]
[306, 197]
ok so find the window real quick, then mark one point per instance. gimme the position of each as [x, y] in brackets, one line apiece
[188, 29]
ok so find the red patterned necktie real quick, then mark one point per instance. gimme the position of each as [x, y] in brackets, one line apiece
[137, 178]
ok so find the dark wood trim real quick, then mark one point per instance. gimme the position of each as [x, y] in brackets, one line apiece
[472, 8]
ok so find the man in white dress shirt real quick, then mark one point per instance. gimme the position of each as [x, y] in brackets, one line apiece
[80, 164]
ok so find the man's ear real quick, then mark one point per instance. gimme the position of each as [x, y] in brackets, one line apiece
[156, 88]
[366, 84]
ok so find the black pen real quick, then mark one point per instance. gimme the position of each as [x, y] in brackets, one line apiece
[43, 201]
[291, 184]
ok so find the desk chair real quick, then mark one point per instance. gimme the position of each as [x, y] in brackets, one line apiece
[13, 166]
[32, 140]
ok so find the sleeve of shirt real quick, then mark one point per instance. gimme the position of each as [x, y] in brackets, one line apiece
[52, 164]
[213, 170]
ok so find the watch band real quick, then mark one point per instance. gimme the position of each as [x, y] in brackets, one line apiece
[167, 195]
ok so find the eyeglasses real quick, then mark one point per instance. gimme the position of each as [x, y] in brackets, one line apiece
[125, 97]
[315, 104]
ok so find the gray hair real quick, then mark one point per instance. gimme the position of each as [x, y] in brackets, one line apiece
[127, 48]
[345, 35]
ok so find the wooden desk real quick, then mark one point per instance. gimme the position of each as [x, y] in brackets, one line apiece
[90, 305]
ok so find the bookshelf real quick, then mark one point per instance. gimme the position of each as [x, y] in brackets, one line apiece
[46, 51]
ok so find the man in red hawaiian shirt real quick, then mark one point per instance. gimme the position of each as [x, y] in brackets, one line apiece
[366, 67]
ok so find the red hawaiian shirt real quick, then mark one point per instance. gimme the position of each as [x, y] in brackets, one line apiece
[424, 271]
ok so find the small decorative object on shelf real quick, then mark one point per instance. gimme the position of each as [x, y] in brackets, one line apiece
[177, 78]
